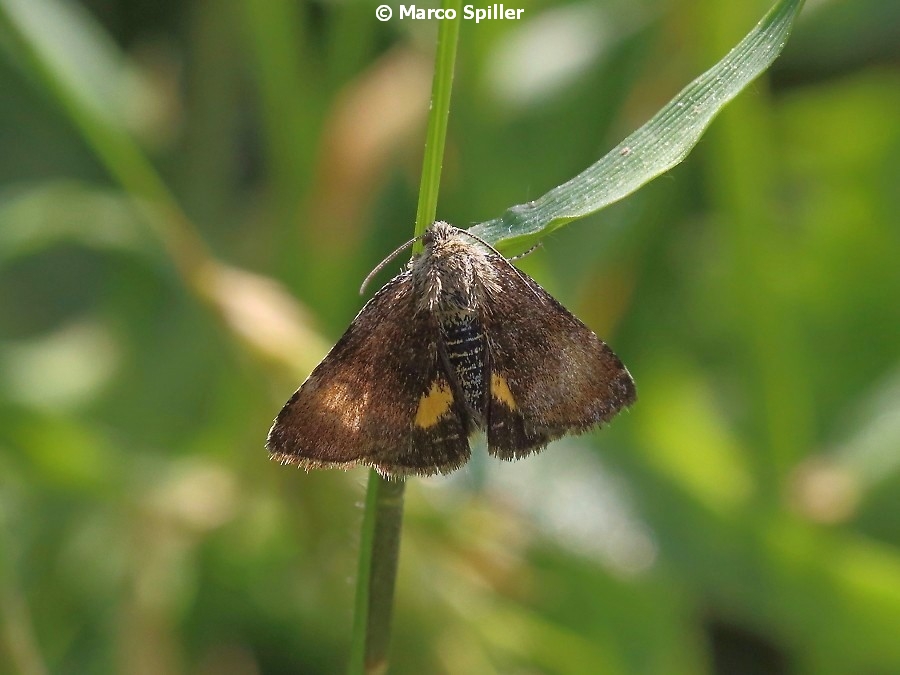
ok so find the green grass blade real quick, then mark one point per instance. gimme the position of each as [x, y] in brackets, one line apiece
[448, 37]
[657, 146]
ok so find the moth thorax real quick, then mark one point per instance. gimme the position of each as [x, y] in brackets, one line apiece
[463, 337]
[444, 283]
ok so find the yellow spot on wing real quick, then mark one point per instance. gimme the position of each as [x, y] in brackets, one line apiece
[500, 391]
[434, 404]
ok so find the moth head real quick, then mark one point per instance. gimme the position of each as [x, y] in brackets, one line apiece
[438, 235]
[445, 243]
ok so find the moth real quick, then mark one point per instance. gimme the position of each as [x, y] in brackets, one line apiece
[460, 341]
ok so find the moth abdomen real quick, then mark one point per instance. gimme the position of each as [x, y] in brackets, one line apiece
[463, 338]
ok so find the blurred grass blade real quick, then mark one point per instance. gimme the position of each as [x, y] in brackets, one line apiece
[86, 60]
[658, 145]
[81, 69]
[37, 217]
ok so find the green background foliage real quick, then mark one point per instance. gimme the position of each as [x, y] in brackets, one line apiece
[190, 194]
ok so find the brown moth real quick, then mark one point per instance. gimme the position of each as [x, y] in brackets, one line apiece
[460, 341]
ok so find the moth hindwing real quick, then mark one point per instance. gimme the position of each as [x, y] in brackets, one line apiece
[460, 341]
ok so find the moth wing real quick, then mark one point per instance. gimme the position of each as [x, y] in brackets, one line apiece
[549, 373]
[380, 397]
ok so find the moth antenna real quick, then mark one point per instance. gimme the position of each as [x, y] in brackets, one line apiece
[528, 252]
[507, 260]
[384, 263]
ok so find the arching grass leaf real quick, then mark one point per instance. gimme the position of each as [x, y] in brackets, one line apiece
[658, 145]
